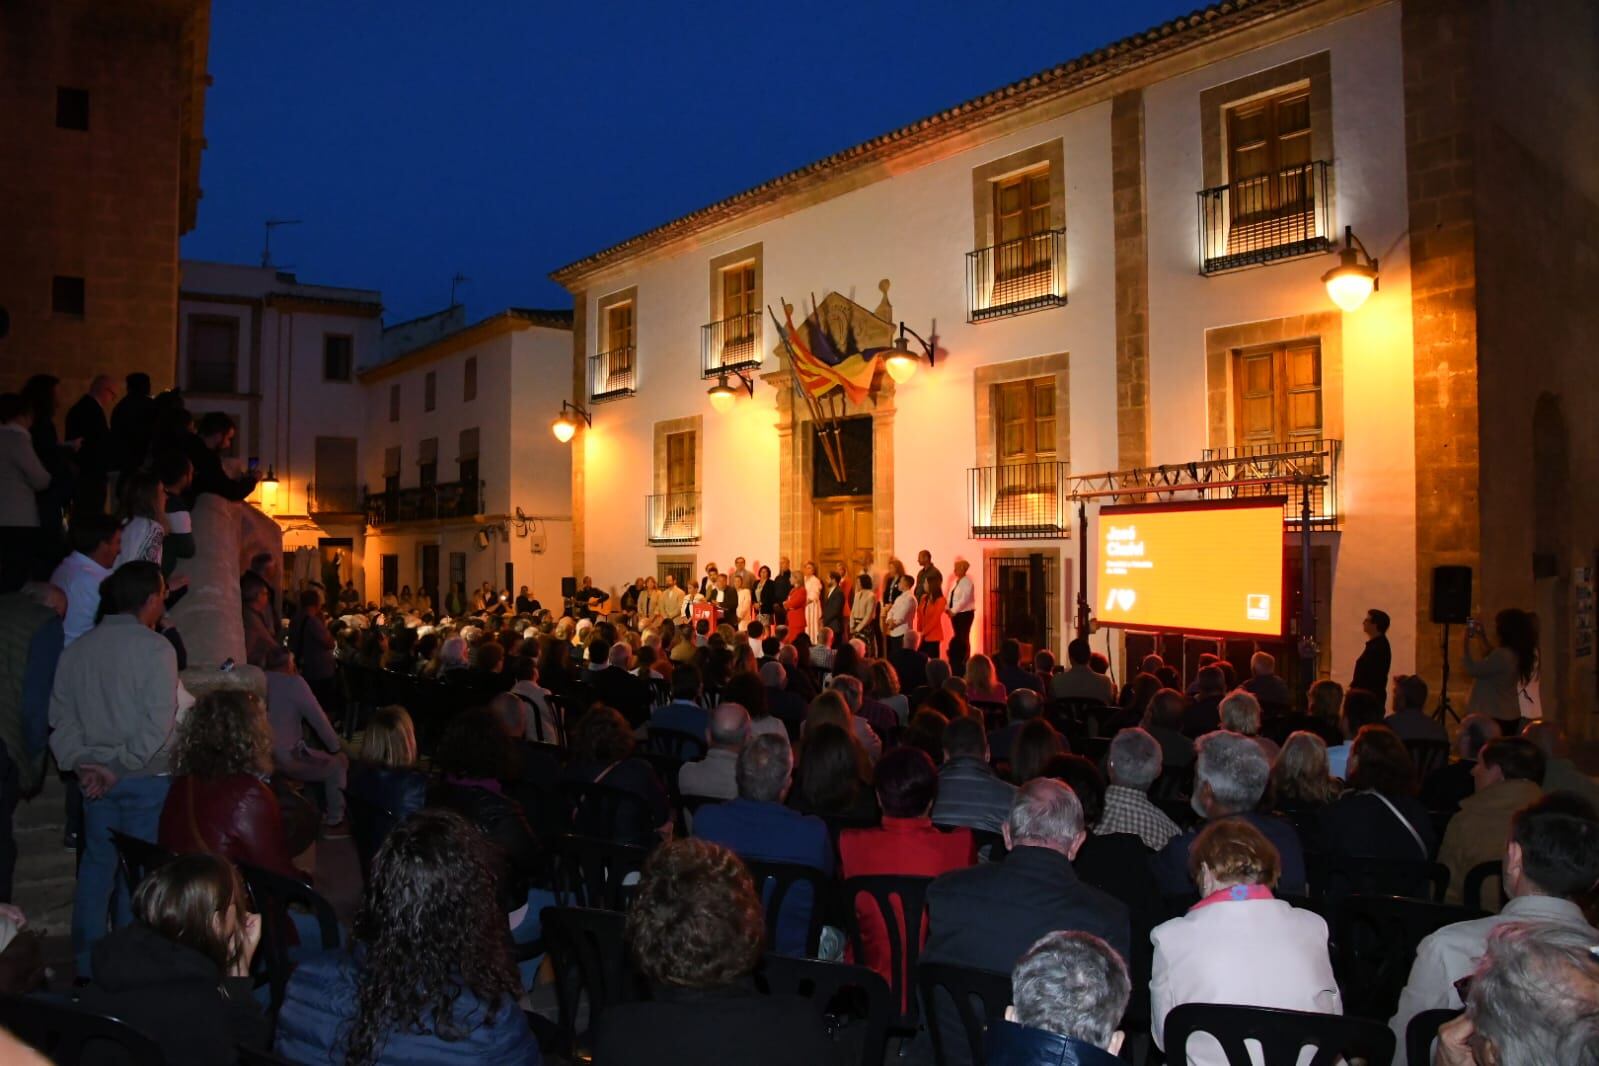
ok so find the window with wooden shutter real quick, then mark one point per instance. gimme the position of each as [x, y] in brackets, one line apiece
[738, 313]
[619, 339]
[1269, 161]
[1023, 252]
[1277, 394]
[213, 353]
[394, 403]
[336, 474]
[1025, 420]
[427, 462]
[430, 391]
[469, 380]
[468, 457]
[680, 449]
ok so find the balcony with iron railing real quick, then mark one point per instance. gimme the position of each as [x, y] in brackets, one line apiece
[1265, 218]
[1318, 458]
[613, 374]
[1019, 501]
[733, 344]
[673, 518]
[1017, 276]
[333, 499]
[425, 503]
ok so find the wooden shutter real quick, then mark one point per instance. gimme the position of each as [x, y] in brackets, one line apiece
[1021, 206]
[1268, 140]
[335, 473]
[469, 381]
[619, 337]
[1277, 394]
[1024, 420]
[213, 353]
[680, 448]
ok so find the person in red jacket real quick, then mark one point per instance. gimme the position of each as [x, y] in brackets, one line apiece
[908, 844]
[795, 606]
[219, 801]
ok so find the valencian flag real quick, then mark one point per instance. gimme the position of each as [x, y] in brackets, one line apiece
[819, 365]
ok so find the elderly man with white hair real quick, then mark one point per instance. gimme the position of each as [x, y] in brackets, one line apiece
[1069, 993]
[1133, 764]
[1230, 777]
[987, 916]
[716, 775]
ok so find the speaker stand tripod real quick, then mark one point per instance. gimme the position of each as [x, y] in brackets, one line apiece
[1444, 711]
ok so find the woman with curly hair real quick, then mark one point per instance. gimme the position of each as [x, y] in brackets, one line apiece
[219, 800]
[602, 754]
[429, 976]
[695, 930]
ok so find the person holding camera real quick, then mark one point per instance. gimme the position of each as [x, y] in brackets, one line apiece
[1504, 679]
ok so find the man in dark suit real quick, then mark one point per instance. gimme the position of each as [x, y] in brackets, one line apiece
[87, 421]
[133, 424]
[725, 596]
[614, 686]
[987, 916]
[1376, 658]
[784, 581]
[833, 608]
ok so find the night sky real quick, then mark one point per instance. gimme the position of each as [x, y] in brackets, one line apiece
[502, 139]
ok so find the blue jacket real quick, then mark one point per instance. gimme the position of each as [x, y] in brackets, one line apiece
[319, 1008]
[1009, 1044]
[771, 832]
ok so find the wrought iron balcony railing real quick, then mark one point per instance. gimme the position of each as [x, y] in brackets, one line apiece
[1018, 276]
[613, 374]
[673, 517]
[444, 499]
[731, 344]
[333, 499]
[1264, 218]
[1316, 457]
[1019, 501]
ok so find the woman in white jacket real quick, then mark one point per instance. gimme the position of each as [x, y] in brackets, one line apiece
[1239, 944]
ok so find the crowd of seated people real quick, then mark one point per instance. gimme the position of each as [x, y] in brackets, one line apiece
[1158, 843]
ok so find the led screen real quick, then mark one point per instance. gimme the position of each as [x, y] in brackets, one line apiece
[1205, 568]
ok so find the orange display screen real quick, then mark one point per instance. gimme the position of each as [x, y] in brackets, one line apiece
[1204, 568]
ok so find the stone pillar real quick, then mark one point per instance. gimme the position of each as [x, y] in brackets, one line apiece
[226, 535]
[1132, 278]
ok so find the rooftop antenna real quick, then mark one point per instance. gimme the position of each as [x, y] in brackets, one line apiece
[270, 225]
[458, 279]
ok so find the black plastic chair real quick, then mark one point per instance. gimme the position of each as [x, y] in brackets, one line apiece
[605, 812]
[993, 713]
[588, 954]
[274, 895]
[684, 747]
[136, 858]
[1422, 1031]
[1376, 939]
[590, 871]
[836, 989]
[66, 1033]
[1096, 749]
[904, 941]
[773, 883]
[978, 997]
[370, 824]
[1282, 1034]
[1332, 877]
[1477, 879]
[1428, 755]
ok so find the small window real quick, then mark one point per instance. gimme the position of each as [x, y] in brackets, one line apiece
[1024, 425]
[619, 338]
[213, 353]
[67, 295]
[430, 390]
[468, 457]
[1277, 394]
[469, 382]
[338, 356]
[394, 403]
[427, 462]
[72, 108]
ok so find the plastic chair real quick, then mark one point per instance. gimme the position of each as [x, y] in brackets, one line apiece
[66, 1033]
[968, 989]
[1422, 1031]
[1477, 879]
[773, 883]
[588, 953]
[1282, 1034]
[1428, 755]
[1094, 748]
[684, 747]
[370, 824]
[1337, 876]
[590, 871]
[993, 713]
[1376, 939]
[136, 858]
[904, 929]
[273, 895]
[835, 989]
[605, 812]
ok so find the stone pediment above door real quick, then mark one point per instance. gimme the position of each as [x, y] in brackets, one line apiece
[849, 327]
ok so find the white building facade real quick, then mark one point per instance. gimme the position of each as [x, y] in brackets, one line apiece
[1122, 260]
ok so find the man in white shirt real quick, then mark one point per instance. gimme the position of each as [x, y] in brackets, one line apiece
[540, 718]
[962, 606]
[1552, 857]
[900, 613]
[96, 539]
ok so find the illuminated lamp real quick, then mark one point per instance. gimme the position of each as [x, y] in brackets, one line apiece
[723, 395]
[902, 363]
[1352, 280]
[565, 425]
[269, 490]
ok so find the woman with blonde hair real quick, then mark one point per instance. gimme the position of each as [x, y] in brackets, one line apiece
[1301, 783]
[385, 787]
[981, 684]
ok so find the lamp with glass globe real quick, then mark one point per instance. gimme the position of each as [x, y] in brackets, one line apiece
[1351, 281]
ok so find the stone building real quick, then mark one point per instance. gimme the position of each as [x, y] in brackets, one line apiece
[101, 132]
[1123, 257]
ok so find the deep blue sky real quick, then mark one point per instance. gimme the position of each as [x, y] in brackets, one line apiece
[504, 139]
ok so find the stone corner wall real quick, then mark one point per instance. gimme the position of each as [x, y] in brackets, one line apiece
[226, 536]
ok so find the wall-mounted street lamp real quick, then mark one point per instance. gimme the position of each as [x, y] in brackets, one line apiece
[565, 425]
[723, 395]
[1352, 280]
[269, 490]
[902, 363]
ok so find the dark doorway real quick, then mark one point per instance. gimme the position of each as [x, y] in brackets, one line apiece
[391, 575]
[854, 437]
[1022, 602]
[338, 564]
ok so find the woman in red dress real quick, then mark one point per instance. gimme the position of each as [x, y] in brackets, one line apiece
[795, 606]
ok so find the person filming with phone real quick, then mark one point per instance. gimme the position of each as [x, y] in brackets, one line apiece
[1504, 678]
[205, 447]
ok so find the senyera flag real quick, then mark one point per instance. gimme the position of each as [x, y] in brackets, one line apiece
[818, 374]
